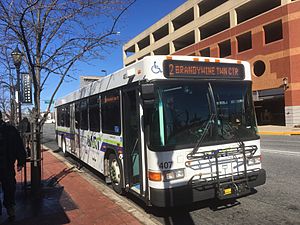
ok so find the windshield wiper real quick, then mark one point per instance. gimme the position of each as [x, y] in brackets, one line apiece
[207, 127]
[212, 108]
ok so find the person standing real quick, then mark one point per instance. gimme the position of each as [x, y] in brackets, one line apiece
[11, 150]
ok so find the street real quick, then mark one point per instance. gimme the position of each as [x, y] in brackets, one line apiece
[276, 202]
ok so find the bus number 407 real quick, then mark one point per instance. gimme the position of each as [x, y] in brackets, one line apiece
[165, 165]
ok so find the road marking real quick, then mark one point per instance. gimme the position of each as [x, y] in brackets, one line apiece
[280, 152]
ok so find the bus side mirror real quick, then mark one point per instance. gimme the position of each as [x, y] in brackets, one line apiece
[148, 96]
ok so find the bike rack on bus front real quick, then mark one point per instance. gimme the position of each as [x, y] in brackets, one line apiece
[225, 188]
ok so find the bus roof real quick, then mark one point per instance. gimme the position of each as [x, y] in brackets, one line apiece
[152, 68]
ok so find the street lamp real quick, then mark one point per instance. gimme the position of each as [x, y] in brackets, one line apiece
[104, 71]
[17, 58]
[285, 83]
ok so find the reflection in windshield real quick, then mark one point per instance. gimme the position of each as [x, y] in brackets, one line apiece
[183, 111]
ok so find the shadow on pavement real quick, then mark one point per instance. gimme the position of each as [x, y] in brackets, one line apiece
[47, 208]
[182, 215]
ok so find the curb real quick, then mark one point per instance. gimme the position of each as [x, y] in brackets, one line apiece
[279, 132]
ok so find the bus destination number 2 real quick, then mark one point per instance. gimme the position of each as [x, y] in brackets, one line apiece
[165, 165]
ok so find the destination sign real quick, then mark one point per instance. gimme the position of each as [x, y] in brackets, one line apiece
[208, 70]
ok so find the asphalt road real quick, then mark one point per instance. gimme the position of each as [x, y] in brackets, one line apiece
[276, 202]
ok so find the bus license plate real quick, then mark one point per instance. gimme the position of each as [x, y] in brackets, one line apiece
[227, 191]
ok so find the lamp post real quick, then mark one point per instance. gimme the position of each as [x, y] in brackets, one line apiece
[17, 58]
[285, 83]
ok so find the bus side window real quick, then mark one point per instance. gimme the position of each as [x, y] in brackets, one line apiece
[111, 113]
[77, 115]
[83, 114]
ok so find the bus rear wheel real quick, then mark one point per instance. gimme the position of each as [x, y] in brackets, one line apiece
[115, 173]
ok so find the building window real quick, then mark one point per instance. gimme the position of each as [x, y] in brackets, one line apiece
[207, 5]
[216, 26]
[161, 32]
[111, 113]
[259, 68]
[225, 48]
[254, 8]
[94, 113]
[130, 51]
[273, 32]
[164, 50]
[183, 19]
[144, 43]
[184, 41]
[244, 41]
[205, 52]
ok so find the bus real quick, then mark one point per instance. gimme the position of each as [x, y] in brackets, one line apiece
[171, 130]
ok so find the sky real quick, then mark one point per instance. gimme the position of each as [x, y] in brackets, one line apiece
[141, 15]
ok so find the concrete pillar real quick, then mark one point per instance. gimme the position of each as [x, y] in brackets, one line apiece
[136, 48]
[197, 35]
[196, 31]
[171, 47]
[233, 18]
[171, 27]
[152, 40]
[283, 2]
[196, 11]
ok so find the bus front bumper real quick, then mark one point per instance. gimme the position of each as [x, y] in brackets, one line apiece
[194, 193]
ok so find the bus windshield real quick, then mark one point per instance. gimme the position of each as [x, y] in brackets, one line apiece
[183, 110]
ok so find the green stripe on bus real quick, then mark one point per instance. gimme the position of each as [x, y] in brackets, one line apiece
[118, 143]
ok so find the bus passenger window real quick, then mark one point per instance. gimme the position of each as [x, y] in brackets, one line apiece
[94, 113]
[111, 113]
[77, 115]
[83, 115]
[67, 116]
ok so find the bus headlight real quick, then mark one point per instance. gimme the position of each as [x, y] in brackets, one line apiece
[173, 174]
[255, 160]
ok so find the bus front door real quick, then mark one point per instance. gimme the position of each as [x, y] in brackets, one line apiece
[132, 147]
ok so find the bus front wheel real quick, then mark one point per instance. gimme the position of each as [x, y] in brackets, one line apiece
[115, 173]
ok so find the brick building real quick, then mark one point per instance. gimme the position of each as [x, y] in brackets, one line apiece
[262, 32]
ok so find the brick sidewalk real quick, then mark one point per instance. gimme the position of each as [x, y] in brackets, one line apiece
[72, 200]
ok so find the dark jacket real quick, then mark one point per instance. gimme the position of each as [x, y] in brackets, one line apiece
[11, 149]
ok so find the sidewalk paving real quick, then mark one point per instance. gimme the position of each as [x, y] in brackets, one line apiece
[68, 198]
[278, 130]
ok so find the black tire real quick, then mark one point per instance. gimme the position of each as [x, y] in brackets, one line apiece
[116, 174]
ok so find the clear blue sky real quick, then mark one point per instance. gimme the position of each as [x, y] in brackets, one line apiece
[139, 17]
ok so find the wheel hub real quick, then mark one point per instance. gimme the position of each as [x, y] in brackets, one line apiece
[115, 172]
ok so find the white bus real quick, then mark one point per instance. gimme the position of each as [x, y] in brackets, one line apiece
[172, 130]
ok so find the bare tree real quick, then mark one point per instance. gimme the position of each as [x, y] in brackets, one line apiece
[54, 35]
[7, 87]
